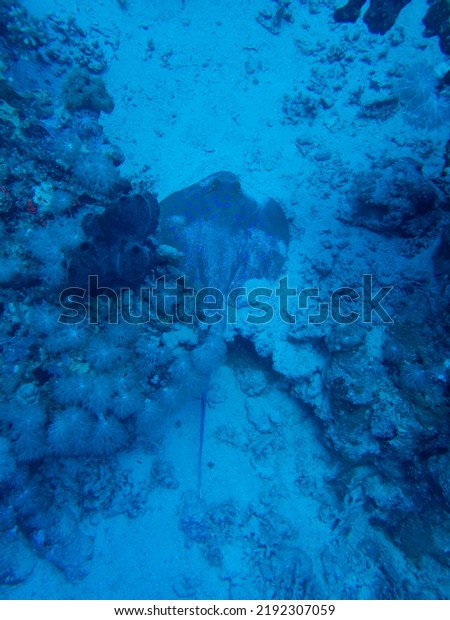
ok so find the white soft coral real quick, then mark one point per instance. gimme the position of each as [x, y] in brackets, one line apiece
[423, 104]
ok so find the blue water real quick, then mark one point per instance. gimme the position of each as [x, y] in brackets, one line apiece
[224, 289]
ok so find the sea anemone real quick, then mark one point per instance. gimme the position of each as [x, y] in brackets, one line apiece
[53, 274]
[102, 353]
[66, 338]
[43, 318]
[124, 379]
[91, 391]
[85, 122]
[61, 202]
[10, 266]
[43, 245]
[394, 353]
[99, 396]
[96, 174]
[51, 254]
[149, 354]
[415, 378]
[24, 419]
[106, 435]
[68, 432]
[66, 148]
[65, 233]
[123, 333]
[72, 389]
[27, 431]
[7, 461]
[127, 403]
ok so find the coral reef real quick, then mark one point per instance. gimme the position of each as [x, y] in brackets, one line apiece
[321, 440]
[437, 23]
[379, 17]
[83, 91]
[273, 18]
[394, 198]
[118, 250]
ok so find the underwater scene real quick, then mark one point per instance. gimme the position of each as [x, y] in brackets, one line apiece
[225, 295]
